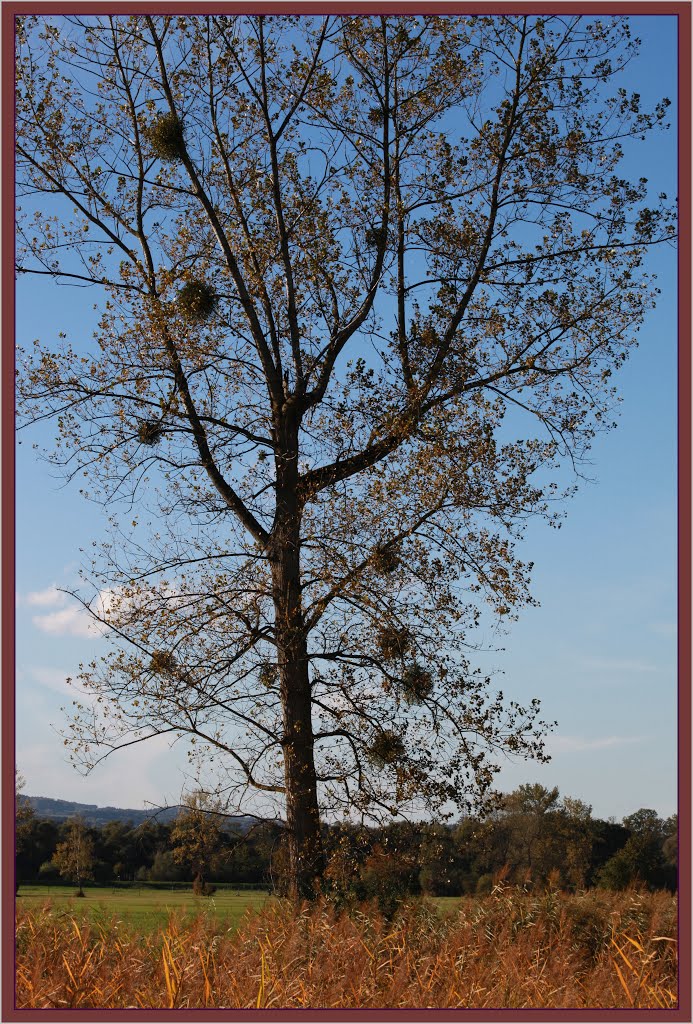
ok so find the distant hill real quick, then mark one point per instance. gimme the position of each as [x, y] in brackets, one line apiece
[61, 810]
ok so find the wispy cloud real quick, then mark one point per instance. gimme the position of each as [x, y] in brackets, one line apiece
[56, 680]
[74, 621]
[577, 744]
[58, 617]
[51, 597]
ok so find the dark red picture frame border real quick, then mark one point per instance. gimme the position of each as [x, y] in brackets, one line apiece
[10, 10]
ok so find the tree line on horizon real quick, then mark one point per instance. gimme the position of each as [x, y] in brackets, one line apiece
[534, 837]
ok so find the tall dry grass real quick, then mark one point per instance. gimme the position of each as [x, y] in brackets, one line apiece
[510, 949]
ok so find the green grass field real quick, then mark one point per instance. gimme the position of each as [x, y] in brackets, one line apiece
[143, 909]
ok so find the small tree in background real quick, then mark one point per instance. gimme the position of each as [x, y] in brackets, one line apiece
[196, 839]
[74, 858]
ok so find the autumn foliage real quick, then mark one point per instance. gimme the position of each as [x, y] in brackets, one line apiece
[361, 287]
[509, 949]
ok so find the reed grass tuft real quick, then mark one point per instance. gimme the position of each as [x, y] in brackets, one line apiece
[509, 949]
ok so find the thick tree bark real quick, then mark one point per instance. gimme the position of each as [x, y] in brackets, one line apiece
[306, 858]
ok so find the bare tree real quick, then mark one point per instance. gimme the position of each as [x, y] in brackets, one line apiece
[365, 283]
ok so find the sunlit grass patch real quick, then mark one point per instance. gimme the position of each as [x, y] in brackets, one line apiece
[143, 908]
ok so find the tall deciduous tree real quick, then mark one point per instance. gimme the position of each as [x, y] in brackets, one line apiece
[366, 280]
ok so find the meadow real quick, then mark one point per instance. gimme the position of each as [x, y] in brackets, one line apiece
[512, 948]
[142, 908]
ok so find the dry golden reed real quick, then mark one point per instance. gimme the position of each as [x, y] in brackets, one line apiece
[509, 949]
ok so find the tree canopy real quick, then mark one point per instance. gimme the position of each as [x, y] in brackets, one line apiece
[364, 282]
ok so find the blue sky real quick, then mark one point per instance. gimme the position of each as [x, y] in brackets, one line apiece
[600, 652]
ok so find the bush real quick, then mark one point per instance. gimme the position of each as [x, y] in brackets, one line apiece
[165, 868]
[48, 872]
[616, 874]
[387, 879]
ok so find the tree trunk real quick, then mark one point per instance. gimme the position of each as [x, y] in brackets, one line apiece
[306, 858]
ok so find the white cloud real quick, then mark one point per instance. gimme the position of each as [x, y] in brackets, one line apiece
[576, 744]
[74, 621]
[51, 597]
